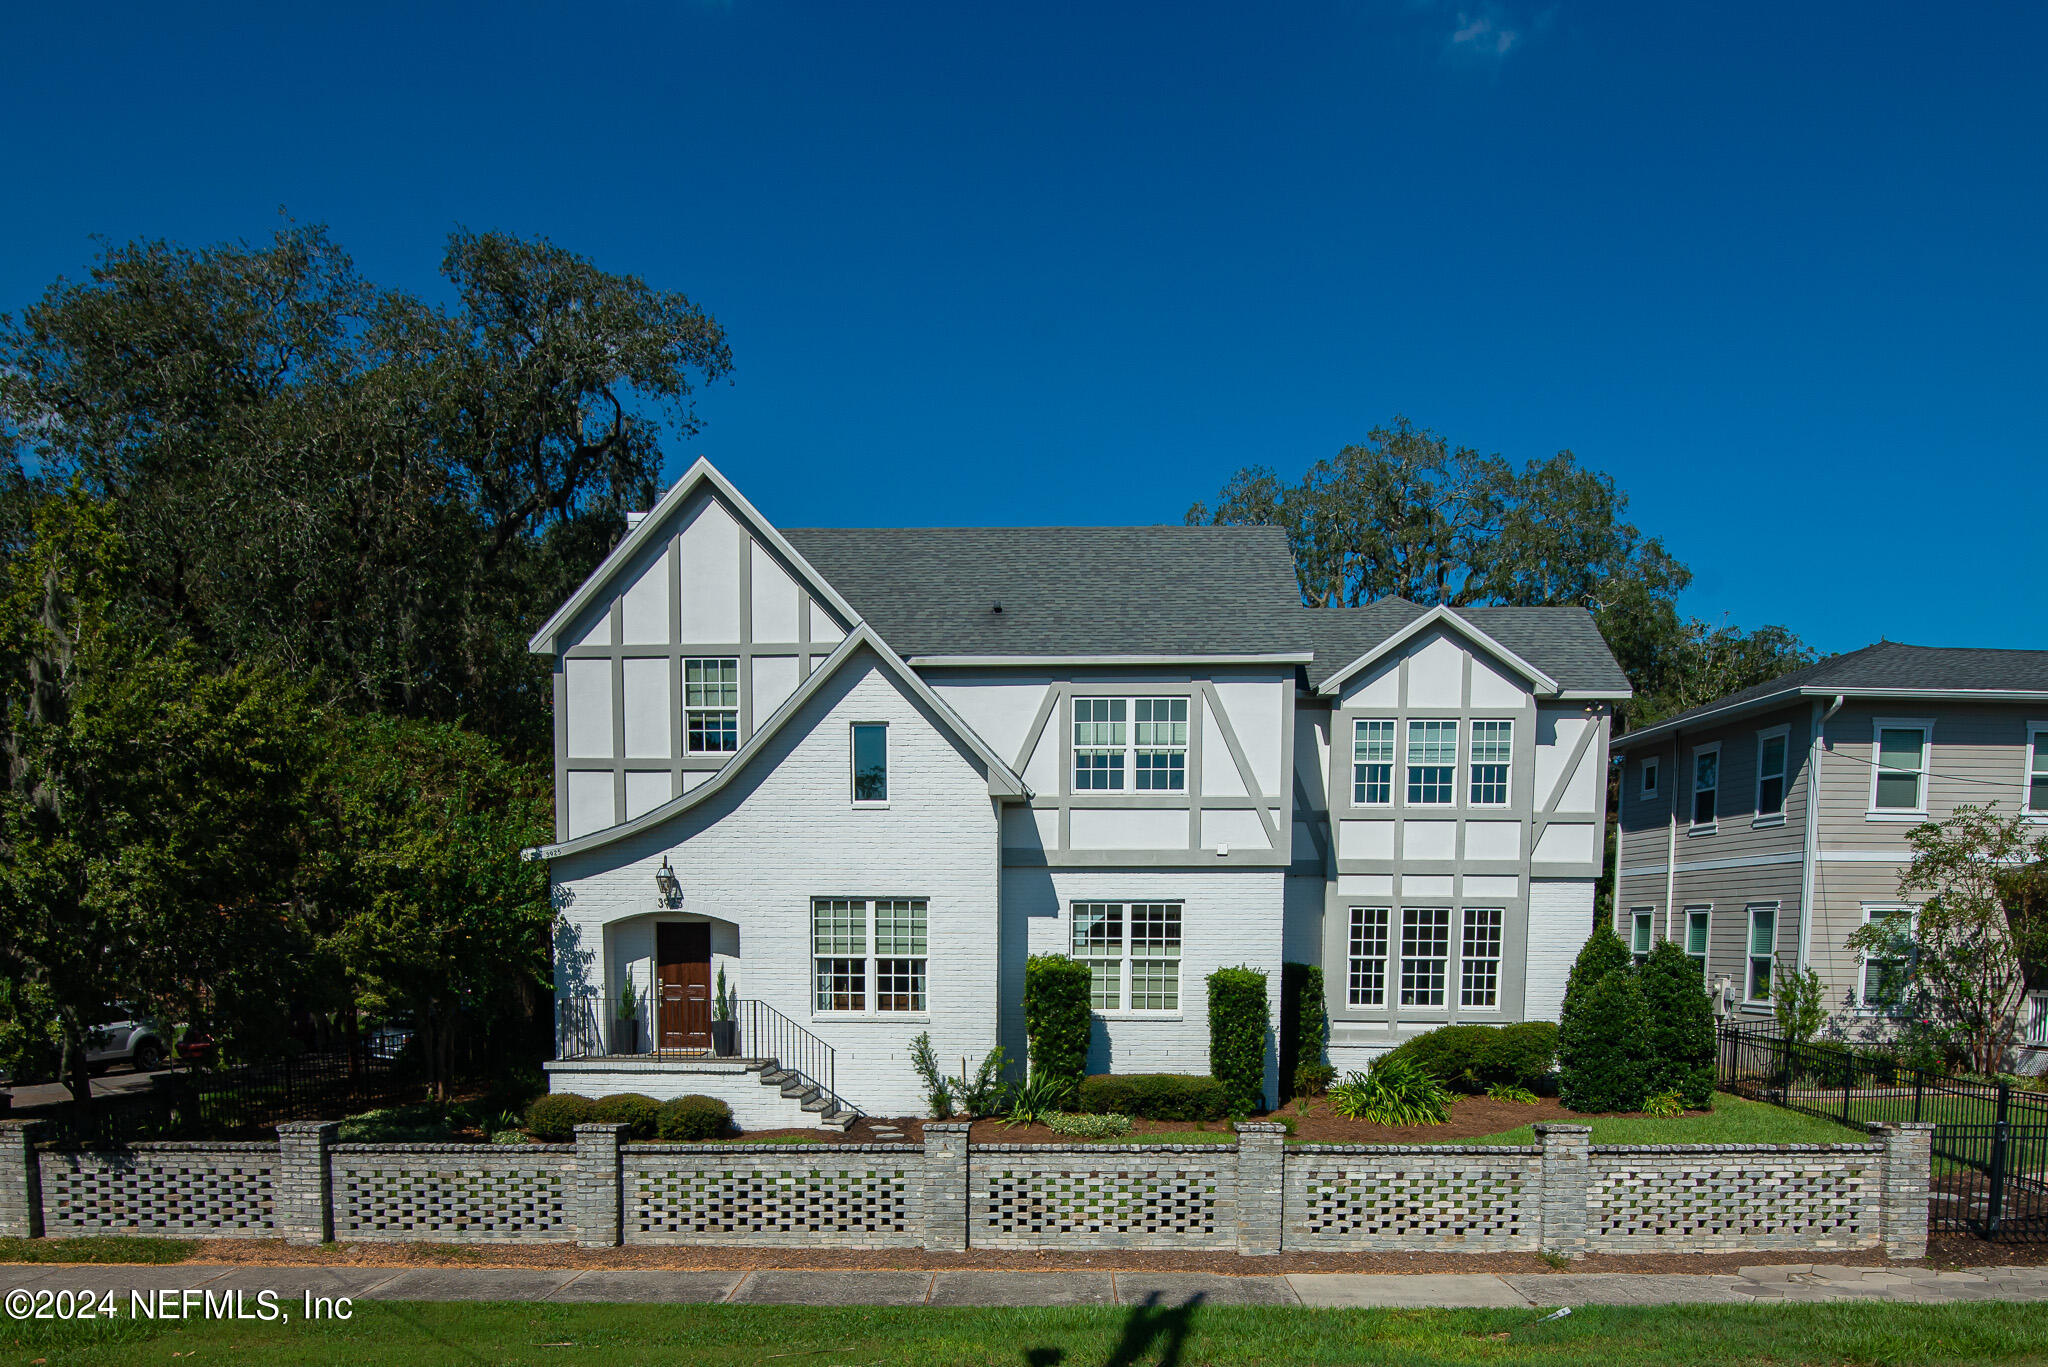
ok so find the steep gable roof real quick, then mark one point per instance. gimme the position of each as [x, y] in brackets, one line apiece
[1560, 644]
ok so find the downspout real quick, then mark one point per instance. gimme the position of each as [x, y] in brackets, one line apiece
[1671, 836]
[1810, 849]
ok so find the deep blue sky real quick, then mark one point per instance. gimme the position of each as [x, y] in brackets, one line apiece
[1779, 270]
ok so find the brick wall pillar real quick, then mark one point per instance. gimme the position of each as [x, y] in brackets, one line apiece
[21, 1187]
[1908, 1160]
[945, 1185]
[303, 1188]
[1567, 1161]
[1260, 1154]
[598, 1179]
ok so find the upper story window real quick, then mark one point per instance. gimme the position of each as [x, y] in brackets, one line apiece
[1696, 924]
[2037, 769]
[1648, 777]
[711, 706]
[1432, 763]
[1706, 785]
[871, 761]
[1133, 954]
[1372, 763]
[1144, 737]
[1770, 773]
[1161, 734]
[1898, 780]
[1493, 748]
[1098, 744]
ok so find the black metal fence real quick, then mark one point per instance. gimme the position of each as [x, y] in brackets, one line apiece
[1990, 1140]
[243, 1102]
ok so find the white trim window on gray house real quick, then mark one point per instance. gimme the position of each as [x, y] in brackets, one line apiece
[1789, 831]
[865, 773]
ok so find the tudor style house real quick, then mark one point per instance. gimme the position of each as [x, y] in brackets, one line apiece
[1761, 830]
[858, 776]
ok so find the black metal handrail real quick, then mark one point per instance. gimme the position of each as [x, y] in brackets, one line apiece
[753, 1031]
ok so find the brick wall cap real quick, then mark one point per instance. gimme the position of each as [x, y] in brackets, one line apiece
[1314, 1149]
[1070, 1151]
[1781, 1150]
[1259, 1127]
[674, 1147]
[477, 1150]
[598, 1129]
[1554, 1127]
[948, 1126]
[307, 1126]
[1880, 1126]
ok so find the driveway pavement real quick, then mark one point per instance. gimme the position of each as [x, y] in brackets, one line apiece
[113, 1083]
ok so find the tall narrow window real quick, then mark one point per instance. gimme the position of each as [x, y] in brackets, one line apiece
[899, 955]
[1696, 919]
[1884, 974]
[1648, 780]
[870, 761]
[1099, 943]
[1155, 956]
[1479, 964]
[839, 944]
[1493, 748]
[2037, 770]
[1706, 785]
[1432, 763]
[1161, 725]
[1770, 774]
[1372, 763]
[1425, 948]
[1763, 950]
[1642, 931]
[1899, 781]
[1368, 956]
[1098, 744]
[1133, 954]
[711, 706]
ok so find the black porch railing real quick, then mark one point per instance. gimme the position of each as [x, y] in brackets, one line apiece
[1990, 1140]
[692, 1030]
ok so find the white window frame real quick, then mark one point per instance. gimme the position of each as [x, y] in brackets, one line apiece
[1874, 911]
[1359, 766]
[1126, 956]
[1442, 961]
[1647, 776]
[1759, 816]
[2034, 758]
[1126, 749]
[1642, 930]
[1409, 766]
[853, 761]
[1469, 920]
[1116, 714]
[1695, 826]
[709, 710]
[1472, 762]
[1750, 956]
[1359, 927]
[870, 958]
[1880, 725]
[1704, 915]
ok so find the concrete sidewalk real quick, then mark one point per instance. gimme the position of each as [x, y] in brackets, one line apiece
[1781, 1282]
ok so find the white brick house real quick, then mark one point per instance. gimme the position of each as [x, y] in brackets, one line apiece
[865, 773]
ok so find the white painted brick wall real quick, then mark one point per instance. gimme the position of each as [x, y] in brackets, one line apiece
[1560, 920]
[786, 831]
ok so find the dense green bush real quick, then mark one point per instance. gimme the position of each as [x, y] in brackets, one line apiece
[631, 1109]
[1313, 1079]
[693, 1117]
[422, 1123]
[1602, 953]
[1056, 1016]
[1523, 1055]
[1084, 1126]
[1238, 1021]
[1678, 1027]
[1601, 1048]
[1394, 1091]
[1473, 1058]
[1304, 1030]
[553, 1118]
[1155, 1096]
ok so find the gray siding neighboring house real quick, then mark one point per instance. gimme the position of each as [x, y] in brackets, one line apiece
[1885, 737]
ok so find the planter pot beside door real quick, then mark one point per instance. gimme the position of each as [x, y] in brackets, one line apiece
[626, 1036]
[725, 1038]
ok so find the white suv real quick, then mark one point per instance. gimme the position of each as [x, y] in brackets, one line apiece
[126, 1040]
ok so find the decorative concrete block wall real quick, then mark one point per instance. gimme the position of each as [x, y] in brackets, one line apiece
[1255, 1196]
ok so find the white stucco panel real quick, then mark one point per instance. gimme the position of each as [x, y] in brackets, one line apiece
[1240, 830]
[1000, 713]
[1582, 792]
[643, 609]
[646, 790]
[647, 708]
[1565, 843]
[1255, 708]
[1492, 886]
[588, 684]
[1220, 777]
[775, 598]
[1436, 673]
[711, 576]
[1033, 829]
[1128, 828]
[1379, 686]
[1556, 733]
[1365, 840]
[1493, 840]
[1491, 688]
[824, 630]
[1365, 885]
[590, 800]
[1429, 840]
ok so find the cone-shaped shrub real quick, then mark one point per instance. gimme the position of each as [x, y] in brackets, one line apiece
[1678, 1027]
[1600, 1046]
[1056, 1017]
[1602, 953]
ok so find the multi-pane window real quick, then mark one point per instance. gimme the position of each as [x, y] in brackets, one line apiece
[1763, 949]
[1432, 763]
[842, 965]
[1425, 949]
[1479, 963]
[1368, 986]
[1493, 747]
[2037, 770]
[1706, 785]
[1900, 783]
[711, 706]
[1885, 975]
[1372, 763]
[1098, 744]
[1642, 929]
[1770, 774]
[1161, 733]
[1132, 950]
[870, 761]
[1696, 919]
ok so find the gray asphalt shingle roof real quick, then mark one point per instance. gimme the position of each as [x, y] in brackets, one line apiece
[1562, 642]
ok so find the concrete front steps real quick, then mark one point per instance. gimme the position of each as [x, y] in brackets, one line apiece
[807, 1094]
[762, 1093]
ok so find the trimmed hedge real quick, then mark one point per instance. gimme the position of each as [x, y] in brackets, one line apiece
[553, 1119]
[1600, 1047]
[1678, 1030]
[1472, 1058]
[631, 1109]
[1304, 1030]
[1056, 1016]
[693, 1117]
[1238, 1020]
[1154, 1096]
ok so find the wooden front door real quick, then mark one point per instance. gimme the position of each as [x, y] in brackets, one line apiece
[682, 953]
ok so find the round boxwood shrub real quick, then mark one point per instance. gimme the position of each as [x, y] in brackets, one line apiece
[1522, 1055]
[1600, 1047]
[693, 1117]
[1154, 1096]
[631, 1109]
[1056, 1016]
[553, 1119]
[1238, 1020]
[1678, 1027]
[1473, 1058]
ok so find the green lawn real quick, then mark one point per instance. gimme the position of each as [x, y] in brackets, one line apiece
[1732, 1121]
[113, 1249]
[402, 1334]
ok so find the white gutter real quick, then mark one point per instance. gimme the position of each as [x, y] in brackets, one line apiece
[1810, 850]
